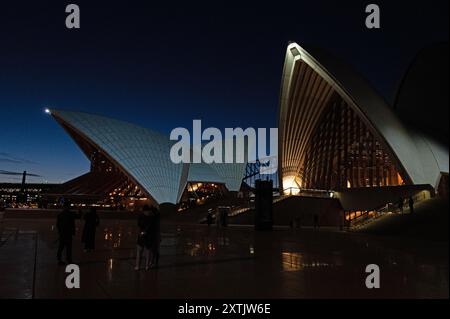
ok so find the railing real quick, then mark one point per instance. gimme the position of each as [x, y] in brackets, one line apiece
[384, 210]
[239, 211]
[372, 215]
[234, 211]
[296, 191]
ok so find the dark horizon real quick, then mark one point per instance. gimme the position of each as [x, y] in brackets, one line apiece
[162, 67]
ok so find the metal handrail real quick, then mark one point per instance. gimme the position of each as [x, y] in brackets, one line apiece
[297, 191]
[390, 207]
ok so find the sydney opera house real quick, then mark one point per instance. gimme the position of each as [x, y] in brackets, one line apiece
[336, 135]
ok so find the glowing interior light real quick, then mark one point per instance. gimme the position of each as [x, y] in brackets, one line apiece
[290, 186]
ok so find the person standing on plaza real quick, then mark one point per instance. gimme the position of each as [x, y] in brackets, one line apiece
[155, 233]
[91, 222]
[209, 217]
[411, 205]
[2, 213]
[65, 224]
[298, 221]
[144, 238]
[400, 205]
[218, 217]
[316, 220]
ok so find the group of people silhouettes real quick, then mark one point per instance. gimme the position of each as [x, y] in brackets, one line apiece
[65, 223]
[148, 241]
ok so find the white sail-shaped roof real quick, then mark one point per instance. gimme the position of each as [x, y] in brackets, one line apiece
[144, 156]
[229, 174]
[324, 75]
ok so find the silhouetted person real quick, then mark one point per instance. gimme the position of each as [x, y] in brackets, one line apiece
[224, 218]
[218, 218]
[209, 218]
[341, 220]
[411, 205]
[2, 213]
[155, 236]
[144, 238]
[65, 224]
[400, 205]
[316, 221]
[91, 221]
[298, 222]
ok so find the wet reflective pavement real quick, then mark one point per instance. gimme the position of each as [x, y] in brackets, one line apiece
[202, 262]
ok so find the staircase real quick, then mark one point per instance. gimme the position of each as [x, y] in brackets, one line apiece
[385, 211]
[428, 222]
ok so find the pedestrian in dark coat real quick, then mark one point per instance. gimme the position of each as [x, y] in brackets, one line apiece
[411, 205]
[155, 233]
[65, 224]
[91, 222]
[144, 239]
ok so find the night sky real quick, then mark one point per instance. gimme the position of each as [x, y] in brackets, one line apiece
[162, 67]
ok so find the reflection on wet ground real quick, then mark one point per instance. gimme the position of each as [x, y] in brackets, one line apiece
[202, 262]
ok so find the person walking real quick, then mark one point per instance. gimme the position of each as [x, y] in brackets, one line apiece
[411, 205]
[91, 222]
[143, 240]
[65, 224]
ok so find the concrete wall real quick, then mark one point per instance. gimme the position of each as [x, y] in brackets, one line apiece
[328, 209]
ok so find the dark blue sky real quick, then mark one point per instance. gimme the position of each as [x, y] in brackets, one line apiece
[162, 67]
